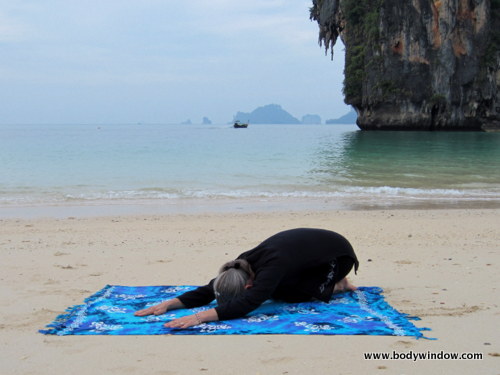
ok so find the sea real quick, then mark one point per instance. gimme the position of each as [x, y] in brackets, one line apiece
[67, 169]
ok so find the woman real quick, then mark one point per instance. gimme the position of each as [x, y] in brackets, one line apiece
[296, 265]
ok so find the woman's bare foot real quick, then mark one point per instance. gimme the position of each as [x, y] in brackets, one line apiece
[343, 286]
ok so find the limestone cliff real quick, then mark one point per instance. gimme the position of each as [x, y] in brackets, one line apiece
[417, 64]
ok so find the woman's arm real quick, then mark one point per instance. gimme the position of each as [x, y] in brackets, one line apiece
[184, 322]
[194, 319]
[200, 296]
[161, 308]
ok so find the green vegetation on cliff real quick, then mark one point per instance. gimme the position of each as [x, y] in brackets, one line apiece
[362, 19]
[493, 48]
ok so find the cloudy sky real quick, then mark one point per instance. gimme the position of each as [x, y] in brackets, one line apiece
[162, 61]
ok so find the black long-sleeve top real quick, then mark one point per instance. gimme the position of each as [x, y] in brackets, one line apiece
[294, 265]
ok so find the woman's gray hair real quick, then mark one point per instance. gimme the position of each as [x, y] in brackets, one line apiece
[231, 281]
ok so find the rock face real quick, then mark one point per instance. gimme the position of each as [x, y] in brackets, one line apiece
[417, 64]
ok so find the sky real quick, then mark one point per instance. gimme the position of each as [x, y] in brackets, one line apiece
[162, 61]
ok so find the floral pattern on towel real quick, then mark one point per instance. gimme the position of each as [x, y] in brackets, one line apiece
[111, 312]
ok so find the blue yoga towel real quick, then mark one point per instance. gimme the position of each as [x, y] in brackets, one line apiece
[111, 312]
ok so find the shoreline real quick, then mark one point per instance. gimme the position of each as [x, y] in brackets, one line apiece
[230, 205]
[439, 265]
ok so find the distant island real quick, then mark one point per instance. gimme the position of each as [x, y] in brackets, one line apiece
[275, 114]
[348, 118]
[311, 119]
[204, 121]
[268, 114]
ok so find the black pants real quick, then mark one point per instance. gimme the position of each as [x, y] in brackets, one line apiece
[325, 278]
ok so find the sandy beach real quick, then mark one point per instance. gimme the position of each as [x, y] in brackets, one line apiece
[440, 265]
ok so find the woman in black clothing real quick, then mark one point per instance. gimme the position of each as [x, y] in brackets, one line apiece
[294, 266]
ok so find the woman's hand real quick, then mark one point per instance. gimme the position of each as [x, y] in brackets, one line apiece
[184, 322]
[193, 320]
[159, 309]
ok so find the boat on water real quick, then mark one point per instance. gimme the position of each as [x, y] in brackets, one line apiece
[240, 125]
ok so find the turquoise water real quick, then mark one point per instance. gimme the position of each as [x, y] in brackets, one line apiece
[57, 164]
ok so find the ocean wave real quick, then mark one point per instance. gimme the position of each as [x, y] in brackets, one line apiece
[159, 194]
